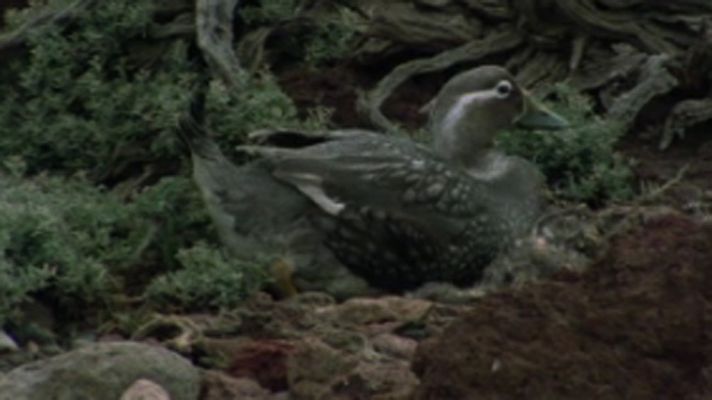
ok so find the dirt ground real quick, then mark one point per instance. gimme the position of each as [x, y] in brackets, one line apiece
[635, 326]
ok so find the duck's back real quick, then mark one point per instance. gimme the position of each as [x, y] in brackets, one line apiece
[394, 213]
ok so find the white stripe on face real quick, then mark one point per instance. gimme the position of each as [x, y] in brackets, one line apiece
[457, 111]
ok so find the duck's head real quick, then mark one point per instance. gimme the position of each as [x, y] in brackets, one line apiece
[474, 106]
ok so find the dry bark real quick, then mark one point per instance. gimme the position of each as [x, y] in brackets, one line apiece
[214, 36]
[12, 40]
[627, 53]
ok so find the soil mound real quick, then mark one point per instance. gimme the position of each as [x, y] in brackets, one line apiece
[636, 325]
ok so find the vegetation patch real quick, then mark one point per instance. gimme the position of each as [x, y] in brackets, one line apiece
[79, 101]
[207, 280]
[89, 97]
[581, 163]
[90, 215]
[306, 35]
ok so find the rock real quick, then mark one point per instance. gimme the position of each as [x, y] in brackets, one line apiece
[635, 326]
[7, 344]
[310, 347]
[143, 389]
[365, 311]
[315, 368]
[102, 371]
[374, 380]
[395, 345]
[262, 360]
[220, 386]
[318, 371]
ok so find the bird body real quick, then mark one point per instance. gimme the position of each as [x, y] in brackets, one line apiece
[383, 212]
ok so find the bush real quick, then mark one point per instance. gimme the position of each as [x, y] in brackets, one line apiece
[99, 96]
[79, 101]
[89, 97]
[259, 103]
[57, 237]
[324, 36]
[82, 248]
[580, 163]
[208, 279]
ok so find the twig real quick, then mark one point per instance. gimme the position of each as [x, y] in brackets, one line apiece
[213, 20]
[657, 193]
[43, 18]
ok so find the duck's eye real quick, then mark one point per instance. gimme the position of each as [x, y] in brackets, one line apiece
[503, 88]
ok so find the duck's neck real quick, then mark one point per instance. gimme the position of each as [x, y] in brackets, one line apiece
[488, 164]
[462, 137]
[463, 151]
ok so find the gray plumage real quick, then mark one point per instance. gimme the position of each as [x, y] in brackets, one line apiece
[357, 209]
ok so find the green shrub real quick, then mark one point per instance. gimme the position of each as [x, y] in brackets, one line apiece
[89, 97]
[208, 279]
[176, 217]
[267, 12]
[325, 35]
[78, 101]
[333, 39]
[17, 283]
[81, 247]
[580, 163]
[57, 236]
[260, 103]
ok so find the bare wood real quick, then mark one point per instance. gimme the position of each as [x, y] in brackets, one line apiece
[655, 80]
[685, 114]
[44, 17]
[613, 25]
[213, 20]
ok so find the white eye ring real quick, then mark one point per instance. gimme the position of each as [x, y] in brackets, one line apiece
[503, 89]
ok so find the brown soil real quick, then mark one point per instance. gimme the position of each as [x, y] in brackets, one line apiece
[334, 88]
[337, 87]
[655, 166]
[635, 326]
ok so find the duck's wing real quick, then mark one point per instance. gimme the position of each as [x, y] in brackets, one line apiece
[293, 139]
[363, 169]
[394, 209]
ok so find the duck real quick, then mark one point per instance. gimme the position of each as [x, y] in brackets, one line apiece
[353, 211]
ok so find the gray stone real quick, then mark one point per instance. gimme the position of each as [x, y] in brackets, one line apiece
[7, 344]
[101, 371]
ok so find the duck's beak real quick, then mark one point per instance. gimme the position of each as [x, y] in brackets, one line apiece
[536, 116]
